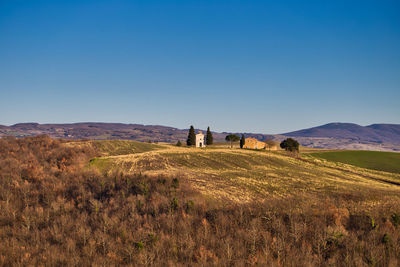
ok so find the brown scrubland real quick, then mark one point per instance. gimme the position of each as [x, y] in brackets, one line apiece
[57, 210]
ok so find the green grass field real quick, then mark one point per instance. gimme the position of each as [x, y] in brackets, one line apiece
[121, 147]
[374, 160]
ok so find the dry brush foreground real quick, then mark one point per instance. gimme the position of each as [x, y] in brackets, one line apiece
[56, 209]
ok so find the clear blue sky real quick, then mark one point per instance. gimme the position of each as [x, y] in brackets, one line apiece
[253, 66]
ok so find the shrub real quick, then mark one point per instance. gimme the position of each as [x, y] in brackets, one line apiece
[175, 183]
[174, 204]
[386, 239]
[395, 218]
[139, 245]
[189, 206]
[290, 144]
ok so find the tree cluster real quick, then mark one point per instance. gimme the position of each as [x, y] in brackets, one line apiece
[191, 140]
[290, 144]
[232, 138]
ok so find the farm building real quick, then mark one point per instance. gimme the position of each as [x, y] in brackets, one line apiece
[253, 143]
[200, 139]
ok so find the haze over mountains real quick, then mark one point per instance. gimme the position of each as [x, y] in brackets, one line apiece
[380, 133]
[351, 136]
[329, 136]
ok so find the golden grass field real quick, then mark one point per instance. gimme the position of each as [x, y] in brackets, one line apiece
[246, 175]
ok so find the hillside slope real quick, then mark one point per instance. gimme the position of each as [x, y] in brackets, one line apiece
[56, 210]
[244, 175]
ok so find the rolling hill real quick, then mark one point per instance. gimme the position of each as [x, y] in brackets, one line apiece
[246, 175]
[380, 137]
[127, 203]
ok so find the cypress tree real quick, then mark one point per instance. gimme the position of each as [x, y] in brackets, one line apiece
[209, 137]
[242, 141]
[191, 140]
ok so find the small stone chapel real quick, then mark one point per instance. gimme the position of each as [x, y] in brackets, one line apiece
[200, 139]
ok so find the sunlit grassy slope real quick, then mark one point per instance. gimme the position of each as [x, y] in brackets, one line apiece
[118, 147]
[246, 175]
[381, 161]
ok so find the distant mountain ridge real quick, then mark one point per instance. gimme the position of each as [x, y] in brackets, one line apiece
[378, 133]
[330, 136]
[97, 130]
[102, 130]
